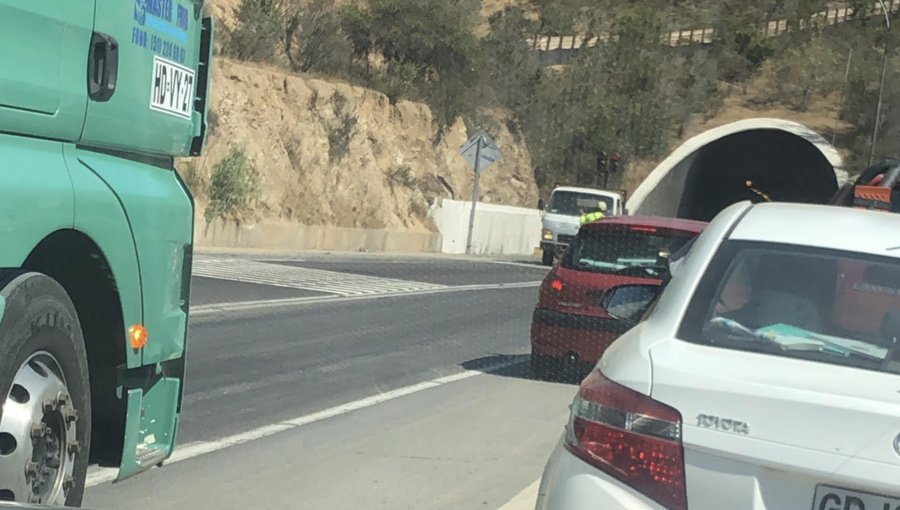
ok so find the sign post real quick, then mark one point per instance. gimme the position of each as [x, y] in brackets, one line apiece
[474, 198]
[480, 152]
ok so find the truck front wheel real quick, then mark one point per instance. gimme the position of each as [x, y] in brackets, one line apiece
[45, 417]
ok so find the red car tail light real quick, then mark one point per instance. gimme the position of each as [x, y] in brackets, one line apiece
[557, 285]
[630, 437]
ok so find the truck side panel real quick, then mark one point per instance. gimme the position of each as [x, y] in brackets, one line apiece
[100, 216]
[160, 213]
[45, 56]
[37, 196]
[152, 109]
[156, 216]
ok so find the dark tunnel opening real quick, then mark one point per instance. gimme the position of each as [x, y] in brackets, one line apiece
[783, 165]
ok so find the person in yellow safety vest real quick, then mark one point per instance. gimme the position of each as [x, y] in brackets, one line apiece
[593, 216]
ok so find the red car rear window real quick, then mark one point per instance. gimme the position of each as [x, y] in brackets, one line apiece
[617, 249]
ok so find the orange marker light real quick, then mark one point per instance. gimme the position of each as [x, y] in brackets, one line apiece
[138, 336]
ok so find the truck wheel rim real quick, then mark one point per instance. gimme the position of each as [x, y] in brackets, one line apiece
[38, 445]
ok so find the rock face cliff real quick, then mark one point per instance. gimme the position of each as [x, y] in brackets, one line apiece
[333, 154]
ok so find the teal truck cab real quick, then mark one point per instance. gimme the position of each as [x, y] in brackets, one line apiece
[97, 98]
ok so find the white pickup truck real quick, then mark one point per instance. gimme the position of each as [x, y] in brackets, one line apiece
[561, 216]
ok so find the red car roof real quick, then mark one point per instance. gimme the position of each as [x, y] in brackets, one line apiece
[650, 221]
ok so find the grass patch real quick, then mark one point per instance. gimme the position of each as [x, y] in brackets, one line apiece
[341, 132]
[402, 176]
[233, 186]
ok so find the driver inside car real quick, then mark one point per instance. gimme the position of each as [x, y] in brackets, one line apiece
[782, 290]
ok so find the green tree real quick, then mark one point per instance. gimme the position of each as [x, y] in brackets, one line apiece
[314, 40]
[511, 67]
[740, 44]
[799, 73]
[356, 23]
[868, 42]
[234, 184]
[433, 40]
[558, 17]
[698, 80]
[620, 98]
[257, 35]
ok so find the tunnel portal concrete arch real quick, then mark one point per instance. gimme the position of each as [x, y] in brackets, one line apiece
[785, 160]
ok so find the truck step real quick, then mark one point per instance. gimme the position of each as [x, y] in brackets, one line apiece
[148, 456]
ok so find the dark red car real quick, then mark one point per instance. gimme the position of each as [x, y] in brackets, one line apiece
[570, 327]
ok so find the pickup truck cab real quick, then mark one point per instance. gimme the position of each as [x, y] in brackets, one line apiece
[560, 218]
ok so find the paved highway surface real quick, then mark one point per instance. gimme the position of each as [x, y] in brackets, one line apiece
[355, 382]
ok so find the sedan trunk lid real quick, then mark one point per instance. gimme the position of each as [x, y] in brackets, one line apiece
[762, 431]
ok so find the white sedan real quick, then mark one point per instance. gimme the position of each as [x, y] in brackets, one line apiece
[765, 376]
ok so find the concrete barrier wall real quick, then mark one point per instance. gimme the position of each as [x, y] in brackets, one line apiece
[294, 237]
[499, 229]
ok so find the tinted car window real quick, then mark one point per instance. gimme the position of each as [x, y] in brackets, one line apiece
[573, 204]
[628, 300]
[832, 307]
[617, 250]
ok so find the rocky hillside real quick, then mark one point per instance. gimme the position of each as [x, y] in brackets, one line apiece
[333, 154]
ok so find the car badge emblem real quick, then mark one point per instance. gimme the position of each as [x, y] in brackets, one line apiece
[708, 421]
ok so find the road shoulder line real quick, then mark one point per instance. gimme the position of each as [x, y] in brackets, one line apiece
[98, 476]
[525, 500]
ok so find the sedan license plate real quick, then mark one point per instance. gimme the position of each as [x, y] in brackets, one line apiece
[835, 498]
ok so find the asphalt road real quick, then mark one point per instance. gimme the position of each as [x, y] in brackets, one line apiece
[372, 391]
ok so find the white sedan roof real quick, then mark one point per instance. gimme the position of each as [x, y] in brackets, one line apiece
[824, 226]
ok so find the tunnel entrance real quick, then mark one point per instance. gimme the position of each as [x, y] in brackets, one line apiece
[781, 165]
[781, 160]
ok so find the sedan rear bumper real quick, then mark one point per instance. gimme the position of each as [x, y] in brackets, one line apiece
[569, 483]
[558, 335]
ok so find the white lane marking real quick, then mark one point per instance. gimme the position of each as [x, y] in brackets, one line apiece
[97, 476]
[524, 500]
[536, 265]
[280, 275]
[219, 308]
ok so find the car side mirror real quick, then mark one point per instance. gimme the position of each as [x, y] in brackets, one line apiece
[628, 303]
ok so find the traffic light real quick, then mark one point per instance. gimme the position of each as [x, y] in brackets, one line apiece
[614, 161]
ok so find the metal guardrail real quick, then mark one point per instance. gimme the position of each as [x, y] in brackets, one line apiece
[706, 35]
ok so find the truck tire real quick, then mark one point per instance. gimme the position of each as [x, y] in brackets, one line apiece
[44, 444]
[547, 257]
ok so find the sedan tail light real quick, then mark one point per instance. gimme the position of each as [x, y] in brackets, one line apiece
[630, 437]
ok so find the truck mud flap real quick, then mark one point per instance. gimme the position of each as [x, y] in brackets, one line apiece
[151, 427]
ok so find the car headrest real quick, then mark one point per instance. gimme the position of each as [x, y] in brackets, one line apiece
[890, 327]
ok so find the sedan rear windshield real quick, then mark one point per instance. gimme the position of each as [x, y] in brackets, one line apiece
[832, 307]
[620, 250]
